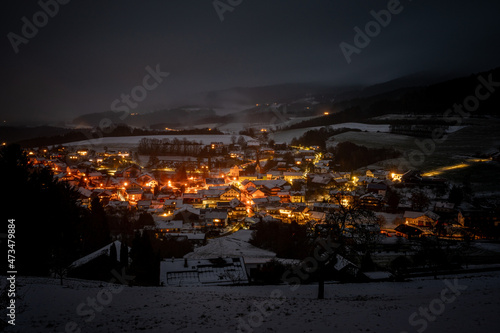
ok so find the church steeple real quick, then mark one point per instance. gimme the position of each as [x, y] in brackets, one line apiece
[257, 163]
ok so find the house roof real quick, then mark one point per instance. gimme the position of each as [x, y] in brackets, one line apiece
[222, 215]
[414, 215]
[215, 181]
[235, 202]
[187, 208]
[376, 186]
[213, 271]
[117, 203]
[236, 244]
[174, 224]
[445, 205]
[83, 191]
[102, 251]
[189, 235]
[317, 215]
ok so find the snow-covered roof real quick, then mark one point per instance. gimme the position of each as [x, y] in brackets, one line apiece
[189, 235]
[102, 251]
[222, 215]
[234, 245]
[83, 191]
[378, 275]
[211, 271]
[414, 215]
[174, 224]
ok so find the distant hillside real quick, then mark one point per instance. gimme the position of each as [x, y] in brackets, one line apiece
[433, 99]
[421, 93]
[282, 93]
[168, 118]
[18, 133]
[421, 79]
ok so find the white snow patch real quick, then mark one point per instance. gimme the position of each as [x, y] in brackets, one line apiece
[362, 307]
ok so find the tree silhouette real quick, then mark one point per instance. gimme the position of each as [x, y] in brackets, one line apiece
[145, 263]
[333, 231]
[123, 254]
[419, 200]
[96, 230]
[113, 253]
[48, 224]
[145, 219]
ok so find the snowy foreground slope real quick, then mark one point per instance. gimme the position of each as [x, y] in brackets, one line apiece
[375, 307]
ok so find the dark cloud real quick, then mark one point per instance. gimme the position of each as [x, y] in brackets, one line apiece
[93, 51]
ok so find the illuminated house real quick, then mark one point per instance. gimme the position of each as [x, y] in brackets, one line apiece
[378, 188]
[238, 209]
[97, 176]
[284, 196]
[216, 218]
[291, 176]
[131, 171]
[230, 194]
[187, 214]
[297, 196]
[210, 197]
[234, 172]
[379, 174]
[421, 219]
[164, 227]
[134, 194]
[82, 152]
[371, 201]
[217, 147]
[147, 179]
[214, 181]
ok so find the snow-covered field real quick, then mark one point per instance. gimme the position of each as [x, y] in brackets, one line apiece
[134, 140]
[236, 127]
[287, 136]
[473, 306]
[376, 140]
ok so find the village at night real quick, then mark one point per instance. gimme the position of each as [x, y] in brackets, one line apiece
[250, 166]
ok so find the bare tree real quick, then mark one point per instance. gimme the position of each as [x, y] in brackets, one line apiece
[349, 220]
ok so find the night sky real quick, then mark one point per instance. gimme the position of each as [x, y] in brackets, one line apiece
[90, 52]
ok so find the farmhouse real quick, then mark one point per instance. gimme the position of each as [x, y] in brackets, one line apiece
[421, 219]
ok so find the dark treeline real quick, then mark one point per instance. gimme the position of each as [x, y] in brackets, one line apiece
[287, 240]
[52, 230]
[350, 156]
[348, 115]
[87, 134]
[319, 137]
[156, 147]
[119, 130]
